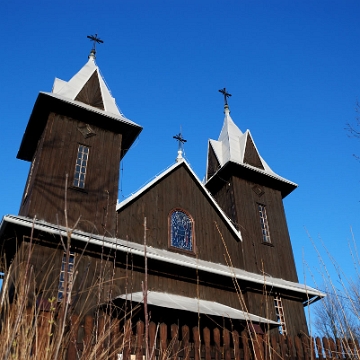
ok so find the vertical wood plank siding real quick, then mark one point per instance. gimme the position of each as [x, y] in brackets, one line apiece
[179, 190]
[56, 157]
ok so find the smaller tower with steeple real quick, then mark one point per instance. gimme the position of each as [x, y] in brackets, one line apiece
[251, 194]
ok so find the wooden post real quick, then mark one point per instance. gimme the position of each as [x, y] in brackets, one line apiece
[163, 341]
[197, 344]
[115, 339]
[245, 344]
[258, 347]
[74, 328]
[312, 345]
[174, 341]
[139, 340]
[236, 342]
[305, 347]
[206, 335]
[185, 334]
[152, 339]
[217, 347]
[319, 348]
[332, 348]
[226, 344]
[339, 348]
[127, 340]
[326, 348]
[100, 334]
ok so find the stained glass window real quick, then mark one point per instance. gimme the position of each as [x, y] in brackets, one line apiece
[80, 166]
[181, 230]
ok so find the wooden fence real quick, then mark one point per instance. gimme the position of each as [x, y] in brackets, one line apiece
[127, 342]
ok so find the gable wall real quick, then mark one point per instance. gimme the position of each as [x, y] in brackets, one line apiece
[178, 190]
[56, 157]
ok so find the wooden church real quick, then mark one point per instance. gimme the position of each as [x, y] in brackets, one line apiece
[208, 252]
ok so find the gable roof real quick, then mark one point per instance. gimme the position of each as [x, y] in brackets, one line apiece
[157, 179]
[308, 293]
[235, 146]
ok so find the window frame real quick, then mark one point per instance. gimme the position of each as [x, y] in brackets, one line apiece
[70, 271]
[280, 314]
[78, 182]
[170, 231]
[264, 224]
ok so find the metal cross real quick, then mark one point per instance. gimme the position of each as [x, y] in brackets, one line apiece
[180, 139]
[226, 95]
[95, 39]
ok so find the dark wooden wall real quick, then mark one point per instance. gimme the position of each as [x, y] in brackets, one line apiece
[277, 258]
[262, 304]
[99, 279]
[56, 157]
[179, 190]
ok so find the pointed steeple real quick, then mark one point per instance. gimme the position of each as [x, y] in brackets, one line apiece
[234, 146]
[85, 95]
[88, 87]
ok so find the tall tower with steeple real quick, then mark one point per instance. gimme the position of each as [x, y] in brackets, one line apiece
[75, 139]
[252, 195]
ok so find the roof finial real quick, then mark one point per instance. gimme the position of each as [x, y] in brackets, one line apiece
[226, 95]
[181, 142]
[95, 39]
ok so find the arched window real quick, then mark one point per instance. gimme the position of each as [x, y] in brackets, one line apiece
[181, 230]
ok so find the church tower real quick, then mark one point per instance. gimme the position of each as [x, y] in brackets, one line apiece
[251, 194]
[75, 139]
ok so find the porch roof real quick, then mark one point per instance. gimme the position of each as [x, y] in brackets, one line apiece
[195, 305]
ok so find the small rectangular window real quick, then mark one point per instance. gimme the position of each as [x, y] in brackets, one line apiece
[280, 316]
[264, 223]
[70, 273]
[80, 166]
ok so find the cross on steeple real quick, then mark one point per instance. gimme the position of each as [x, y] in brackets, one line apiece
[226, 95]
[181, 142]
[96, 40]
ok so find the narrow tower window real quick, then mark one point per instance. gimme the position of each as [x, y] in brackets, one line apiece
[280, 316]
[181, 230]
[69, 269]
[264, 223]
[80, 166]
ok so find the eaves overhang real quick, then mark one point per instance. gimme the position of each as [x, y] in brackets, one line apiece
[50, 102]
[250, 173]
[20, 223]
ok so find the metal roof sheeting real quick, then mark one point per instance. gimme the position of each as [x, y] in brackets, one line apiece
[195, 305]
[70, 89]
[231, 146]
[165, 256]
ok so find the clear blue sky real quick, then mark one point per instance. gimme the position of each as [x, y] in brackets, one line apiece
[293, 68]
